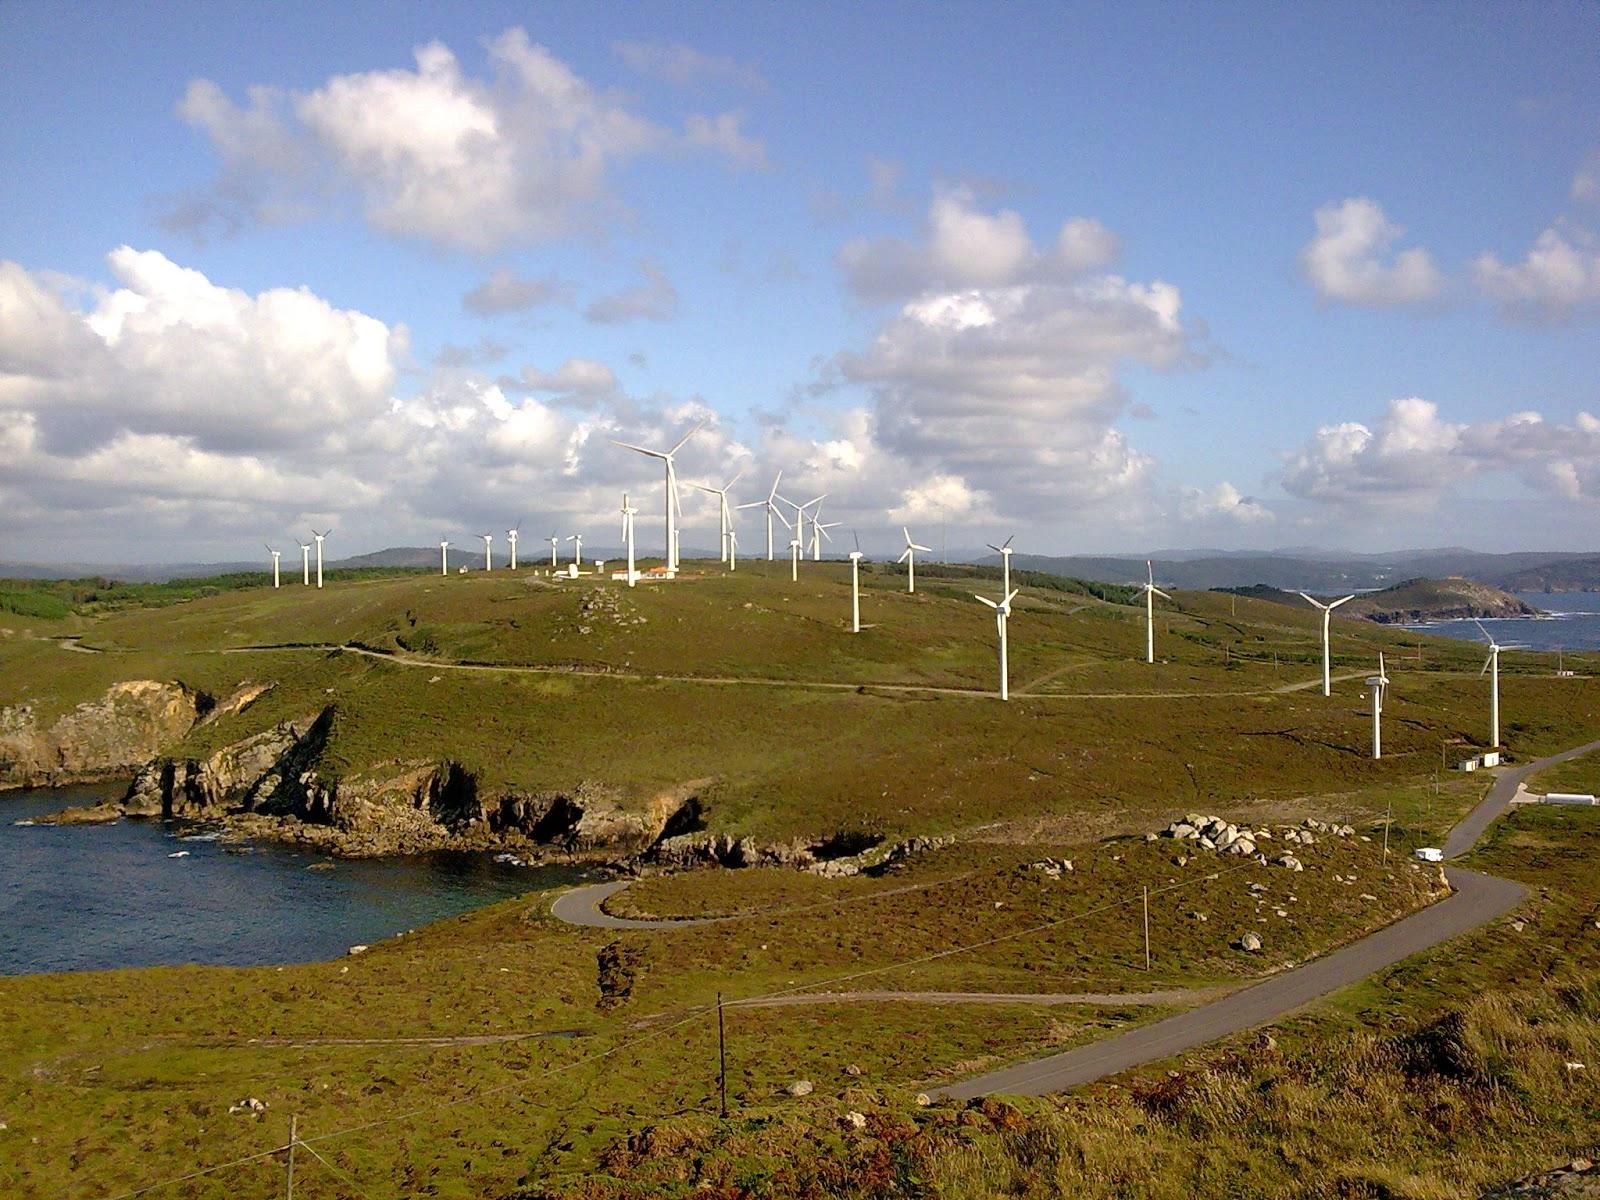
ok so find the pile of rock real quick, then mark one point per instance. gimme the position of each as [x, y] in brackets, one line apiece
[1053, 868]
[1213, 833]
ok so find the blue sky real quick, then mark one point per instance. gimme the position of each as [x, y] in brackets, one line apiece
[1110, 276]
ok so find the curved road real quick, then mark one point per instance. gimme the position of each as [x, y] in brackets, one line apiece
[1478, 899]
[581, 906]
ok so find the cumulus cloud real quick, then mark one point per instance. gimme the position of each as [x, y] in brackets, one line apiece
[577, 377]
[1349, 260]
[506, 292]
[1559, 276]
[653, 300]
[684, 66]
[1223, 504]
[524, 155]
[963, 247]
[1413, 458]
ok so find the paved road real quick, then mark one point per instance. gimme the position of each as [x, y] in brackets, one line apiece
[1094, 999]
[1478, 899]
[581, 906]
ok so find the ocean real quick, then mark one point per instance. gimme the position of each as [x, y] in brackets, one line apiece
[1572, 622]
[89, 897]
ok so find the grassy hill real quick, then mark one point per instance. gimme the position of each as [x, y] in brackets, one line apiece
[1413, 601]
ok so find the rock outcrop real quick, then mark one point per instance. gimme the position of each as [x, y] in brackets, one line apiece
[117, 734]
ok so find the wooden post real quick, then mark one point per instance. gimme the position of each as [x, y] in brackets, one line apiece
[1146, 927]
[1388, 818]
[294, 1137]
[722, 1057]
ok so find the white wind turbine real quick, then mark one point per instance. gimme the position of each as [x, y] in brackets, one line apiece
[1004, 551]
[733, 548]
[771, 505]
[725, 515]
[555, 540]
[488, 540]
[673, 505]
[1379, 684]
[320, 537]
[1002, 612]
[577, 549]
[800, 517]
[909, 557]
[1491, 665]
[1151, 591]
[444, 557]
[276, 555]
[855, 586]
[818, 532]
[511, 535]
[628, 513]
[1327, 611]
[305, 562]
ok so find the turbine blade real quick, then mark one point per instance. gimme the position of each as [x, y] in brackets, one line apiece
[1013, 595]
[698, 426]
[1486, 663]
[774, 491]
[985, 600]
[1336, 603]
[1007, 542]
[905, 554]
[1486, 634]
[638, 449]
[993, 547]
[733, 481]
[924, 549]
[1160, 593]
[907, 532]
[1309, 600]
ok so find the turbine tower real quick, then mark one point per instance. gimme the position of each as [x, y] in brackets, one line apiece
[909, 557]
[319, 537]
[673, 505]
[1491, 665]
[855, 586]
[771, 505]
[628, 513]
[794, 560]
[733, 549]
[1151, 591]
[577, 549]
[1327, 611]
[725, 515]
[555, 540]
[305, 562]
[511, 535]
[276, 554]
[444, 557]
[1004, 551]
[1379, 684]
[1002, 612]
[488, 540]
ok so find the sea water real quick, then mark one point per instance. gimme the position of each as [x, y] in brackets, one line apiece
[143, 893]
[1571, 621]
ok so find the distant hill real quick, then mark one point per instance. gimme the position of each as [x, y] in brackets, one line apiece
[1413, 601]
[1578, 574]
[1320, 574]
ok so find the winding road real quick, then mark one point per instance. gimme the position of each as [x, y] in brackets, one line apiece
[1478, 899]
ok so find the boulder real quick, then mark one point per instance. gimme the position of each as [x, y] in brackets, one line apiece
[800, 1087]
[1250, 943]
[853, 1120]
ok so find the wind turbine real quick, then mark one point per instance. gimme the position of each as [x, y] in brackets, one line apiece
[1002, 611]
[1004, 551]
[628, 513]
[444, 557]
[818, 532]
[1379, 684]
[1492, 666]
[276, 554]
[800, 517]
[319, 537]
[305, 562]
[555, 540]
[673, 505]
[577, 549]
[771, 505]
[733, 548]
[855, 586]
[511, 534]
[726, 516]
[909, 557]
[488, 540]
[1151, 591]
[1327, 611]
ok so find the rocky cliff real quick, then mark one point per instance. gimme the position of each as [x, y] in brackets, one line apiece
[117, 734]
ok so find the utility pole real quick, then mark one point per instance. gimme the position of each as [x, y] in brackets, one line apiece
[722, 1057]
[1147, 927]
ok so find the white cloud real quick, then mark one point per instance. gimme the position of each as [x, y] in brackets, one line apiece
[505, 292]
[963, 247]
[575, 377]
[1348, 259]
[522, 156]
[1586, 181]
[1413, 459]
[653, 300]
[684, 66]
[1559, 275]
[1223, 504]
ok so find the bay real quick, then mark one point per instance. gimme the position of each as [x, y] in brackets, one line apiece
[89, 897]
[1571, 622]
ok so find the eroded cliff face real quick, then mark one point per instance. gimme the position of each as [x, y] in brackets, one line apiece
[127, 727]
